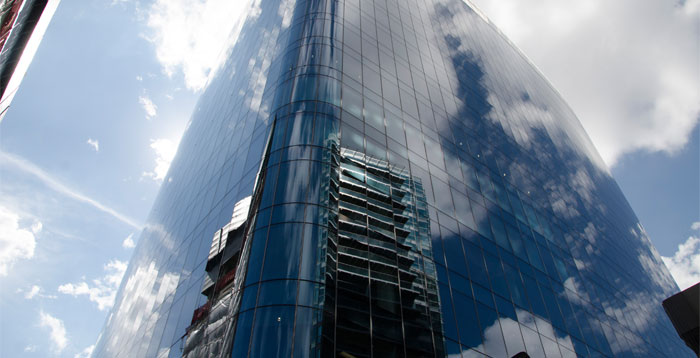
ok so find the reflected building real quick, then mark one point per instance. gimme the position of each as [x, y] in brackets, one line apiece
[403, 183]
[206, 334]
[22, 26]
[381, 294]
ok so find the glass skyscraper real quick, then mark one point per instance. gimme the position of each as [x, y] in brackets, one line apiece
[383, 178]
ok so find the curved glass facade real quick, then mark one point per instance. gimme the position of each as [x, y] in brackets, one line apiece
[383, 178]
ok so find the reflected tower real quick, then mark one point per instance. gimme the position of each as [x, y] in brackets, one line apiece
[22, 26]
[387, 178]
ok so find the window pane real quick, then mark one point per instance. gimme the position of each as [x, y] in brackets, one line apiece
[256, 256]
[469, 332]
[272, 332]
[312, 262]
[240, 344]
[307, 335]
[292, 183]
[282, 254]
[277, 292]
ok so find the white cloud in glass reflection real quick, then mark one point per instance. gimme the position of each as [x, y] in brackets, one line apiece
[631, 77]
[632, 315]
[286, 11]
[165, 150]
[512, 107]
[188, 35]
[85, 353]
[164, 237]
[258, 66]
[685, 263]
[143, 293]
[650, 260]
[519, 338]
[102, 290]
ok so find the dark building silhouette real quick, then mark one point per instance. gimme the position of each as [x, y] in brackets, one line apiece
[403, 183]
[683, 309]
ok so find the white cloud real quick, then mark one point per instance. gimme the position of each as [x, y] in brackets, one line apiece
[35, 291]
[528, 340]
[30, 348]
[695, 225]
[103, 290]
[188, 35]
[165, 152]
[139, 78]
[28, 167]
[32, 292]
[57, 330]
[630, 76]
[85, 353]
[129, 243]
[16, 243]
[36, 226]
[148, 106]
[94, 143]
[685, 263]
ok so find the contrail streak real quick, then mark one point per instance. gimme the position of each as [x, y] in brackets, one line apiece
[28, 167]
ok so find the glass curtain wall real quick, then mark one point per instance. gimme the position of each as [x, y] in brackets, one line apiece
[418, 189]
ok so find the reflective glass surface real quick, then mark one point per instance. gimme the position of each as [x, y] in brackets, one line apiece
[418, 189]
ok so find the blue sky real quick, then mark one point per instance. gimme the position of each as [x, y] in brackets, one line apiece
[94, 125]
